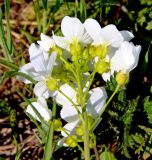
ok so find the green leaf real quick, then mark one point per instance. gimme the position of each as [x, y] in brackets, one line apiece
[36, 6]
[149, 26]
[148, 109]
[127, 119]
[107, 155]
[8, 64]
[7, 13]
[2, 38]
[45, 3]
[145, 63]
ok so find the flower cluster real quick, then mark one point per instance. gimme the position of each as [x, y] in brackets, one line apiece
[64, 68]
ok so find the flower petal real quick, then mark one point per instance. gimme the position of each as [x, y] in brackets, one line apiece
[106, 76]
[70, 127]
[72, 28]
[108, 35]
[27, 69]
[93, 28]
[37, 58]
[61, 42]
[41, 90]
[69, 113]
[127, 36]
[43, 111]
[111, 36]
[126, 57]
[51, 62]
[96, 101]
[42, 101]
[46, 42]
[70, 92]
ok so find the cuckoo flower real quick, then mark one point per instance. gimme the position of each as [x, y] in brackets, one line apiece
[95, 105]
[40, 69]
[109, 35]
[41, 107]
[125, 59]
[46, 42]
[73, 31]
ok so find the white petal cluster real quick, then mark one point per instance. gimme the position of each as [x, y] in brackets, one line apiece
[120, 55]
[125, 59]
[95, 103]
[73, 30]
[39, 68]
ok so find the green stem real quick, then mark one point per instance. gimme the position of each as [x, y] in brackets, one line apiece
[86, 137]
[91, 77]
[44, 21]
[49, 145]
[84, 112]
[104, 107]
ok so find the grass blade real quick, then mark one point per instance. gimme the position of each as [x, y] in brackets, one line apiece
[36, 6]
[45, 3]
[2, 38]
[8, 64]
[7, 13]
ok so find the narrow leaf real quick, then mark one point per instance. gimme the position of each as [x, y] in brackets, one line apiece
[7, 13]
[45, 3]
[2, 38]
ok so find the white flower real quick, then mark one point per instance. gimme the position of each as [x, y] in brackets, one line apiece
[41, 107]
[40, 69]
[73, 30]
[124, 59]
[46, 42]
[95, 105]
[109, 35]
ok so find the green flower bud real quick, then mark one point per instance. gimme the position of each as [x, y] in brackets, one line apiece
[79, 130]
[101, 51]
[86, 53]
[122, 78]
[71, 141]
[52, 84]
[102, 67]
[92, 51]
[57, 125]
[75, 48]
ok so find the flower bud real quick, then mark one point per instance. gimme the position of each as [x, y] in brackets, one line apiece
[101, 51]
[75, 48]
[57, 125]
[79, 130]
[71, 141]
[92, 51]
[52, 84]
[102, 67]
[122, 78]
